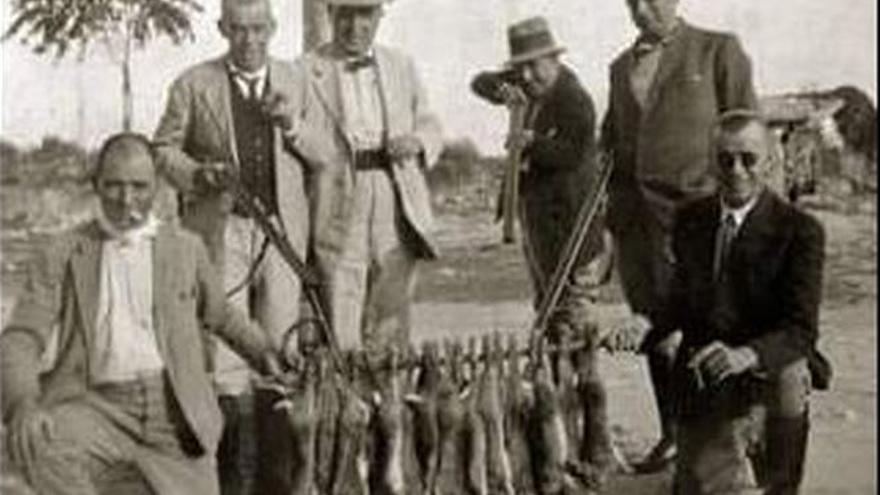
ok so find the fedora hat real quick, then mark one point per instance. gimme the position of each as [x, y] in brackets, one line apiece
[530, 39]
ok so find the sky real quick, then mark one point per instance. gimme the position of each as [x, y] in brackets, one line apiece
[794, 45]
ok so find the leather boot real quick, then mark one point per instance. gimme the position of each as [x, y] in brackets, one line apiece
[786, 453]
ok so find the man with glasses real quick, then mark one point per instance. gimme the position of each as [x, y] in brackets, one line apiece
[745, 293]
[231, 116]
[667, 90]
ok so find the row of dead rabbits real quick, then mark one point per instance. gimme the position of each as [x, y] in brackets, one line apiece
[484, 419]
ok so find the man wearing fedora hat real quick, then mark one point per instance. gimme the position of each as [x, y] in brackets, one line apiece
[558, 151]
[666, 92]
[367, 138]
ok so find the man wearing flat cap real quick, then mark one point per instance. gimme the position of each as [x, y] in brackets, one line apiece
[559, 168]
[368, 137]
[666, 92]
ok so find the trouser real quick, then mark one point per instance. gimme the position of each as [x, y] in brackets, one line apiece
[372, 280]
[543, 241]
[260, 283]
[643, 251]
[719, 453]
[135, 429]
[236, 454]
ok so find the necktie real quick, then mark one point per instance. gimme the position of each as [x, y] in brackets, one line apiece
[726, 233]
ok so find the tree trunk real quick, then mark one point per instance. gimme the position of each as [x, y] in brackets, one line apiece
[127, 103]
[316, 24]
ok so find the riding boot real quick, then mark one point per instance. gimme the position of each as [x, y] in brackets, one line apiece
[786, 453]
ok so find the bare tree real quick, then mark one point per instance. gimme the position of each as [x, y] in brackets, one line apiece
[57, 26]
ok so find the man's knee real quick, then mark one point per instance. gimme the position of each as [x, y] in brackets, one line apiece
[789, 391]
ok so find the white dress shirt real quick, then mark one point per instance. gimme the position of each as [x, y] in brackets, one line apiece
[125, 346]
[362, 104]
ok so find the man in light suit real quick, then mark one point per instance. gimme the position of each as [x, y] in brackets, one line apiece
[225, 115]
[367, 139]
[667, 91]
[126, 299]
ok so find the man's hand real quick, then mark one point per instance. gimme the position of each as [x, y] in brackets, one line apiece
[520, 140]
[629, 335]
[404, 147]
[277, 108]
[717, 361]
[512, 94]
[30, 426]
[210, 177]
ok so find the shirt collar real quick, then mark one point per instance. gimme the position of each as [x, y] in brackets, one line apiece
[646, 42]
[259, 74]
[740, 213]
[146, 231]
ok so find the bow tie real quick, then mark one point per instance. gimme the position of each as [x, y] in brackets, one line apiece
[356, 63]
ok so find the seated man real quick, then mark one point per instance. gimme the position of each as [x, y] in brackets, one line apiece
[746, 292]
[126, 299]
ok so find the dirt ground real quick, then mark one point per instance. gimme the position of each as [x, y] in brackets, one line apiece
[480, 285]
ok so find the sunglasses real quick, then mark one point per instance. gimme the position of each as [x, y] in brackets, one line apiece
[727, 159]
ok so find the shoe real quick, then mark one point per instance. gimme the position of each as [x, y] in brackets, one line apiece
[658, 459]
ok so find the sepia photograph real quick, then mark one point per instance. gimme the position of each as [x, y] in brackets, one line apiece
[438, 247]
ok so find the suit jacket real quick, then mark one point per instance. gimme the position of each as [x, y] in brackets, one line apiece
[197, 127]
[60, 302]
[662, 151]
[775, 283]
[329, 153]
[561, 158]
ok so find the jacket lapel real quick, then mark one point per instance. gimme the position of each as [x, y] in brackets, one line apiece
[163, 262]
[217, 97]
[388, 88]
[86, 266]
[325, 80]
[670, 59]
[757, 232]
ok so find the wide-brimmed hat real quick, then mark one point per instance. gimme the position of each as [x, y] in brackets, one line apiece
[357, 3]
[530, 39]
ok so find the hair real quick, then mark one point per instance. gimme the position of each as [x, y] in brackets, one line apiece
[120, 141]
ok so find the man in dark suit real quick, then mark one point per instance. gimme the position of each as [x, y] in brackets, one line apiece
[558, 151]
[745, 293]
[126, 300]
[666, 91]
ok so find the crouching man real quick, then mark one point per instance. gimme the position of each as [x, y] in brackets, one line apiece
[127, 299]
[746, 292]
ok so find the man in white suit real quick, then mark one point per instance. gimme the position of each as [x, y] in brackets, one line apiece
[231, 114]
[367, 138]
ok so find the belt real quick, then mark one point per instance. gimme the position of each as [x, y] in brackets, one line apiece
[373, 159]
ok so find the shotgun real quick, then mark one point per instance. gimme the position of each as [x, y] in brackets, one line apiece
[510, 194]
[586, 216]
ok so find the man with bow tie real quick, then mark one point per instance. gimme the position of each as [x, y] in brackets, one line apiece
[745, 293]
[367, 138]
[126, 300]
[233, 115]
[666, 92]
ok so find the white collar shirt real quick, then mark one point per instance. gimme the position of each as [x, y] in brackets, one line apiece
[242, 80]
[125, 345]
[362, 103]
